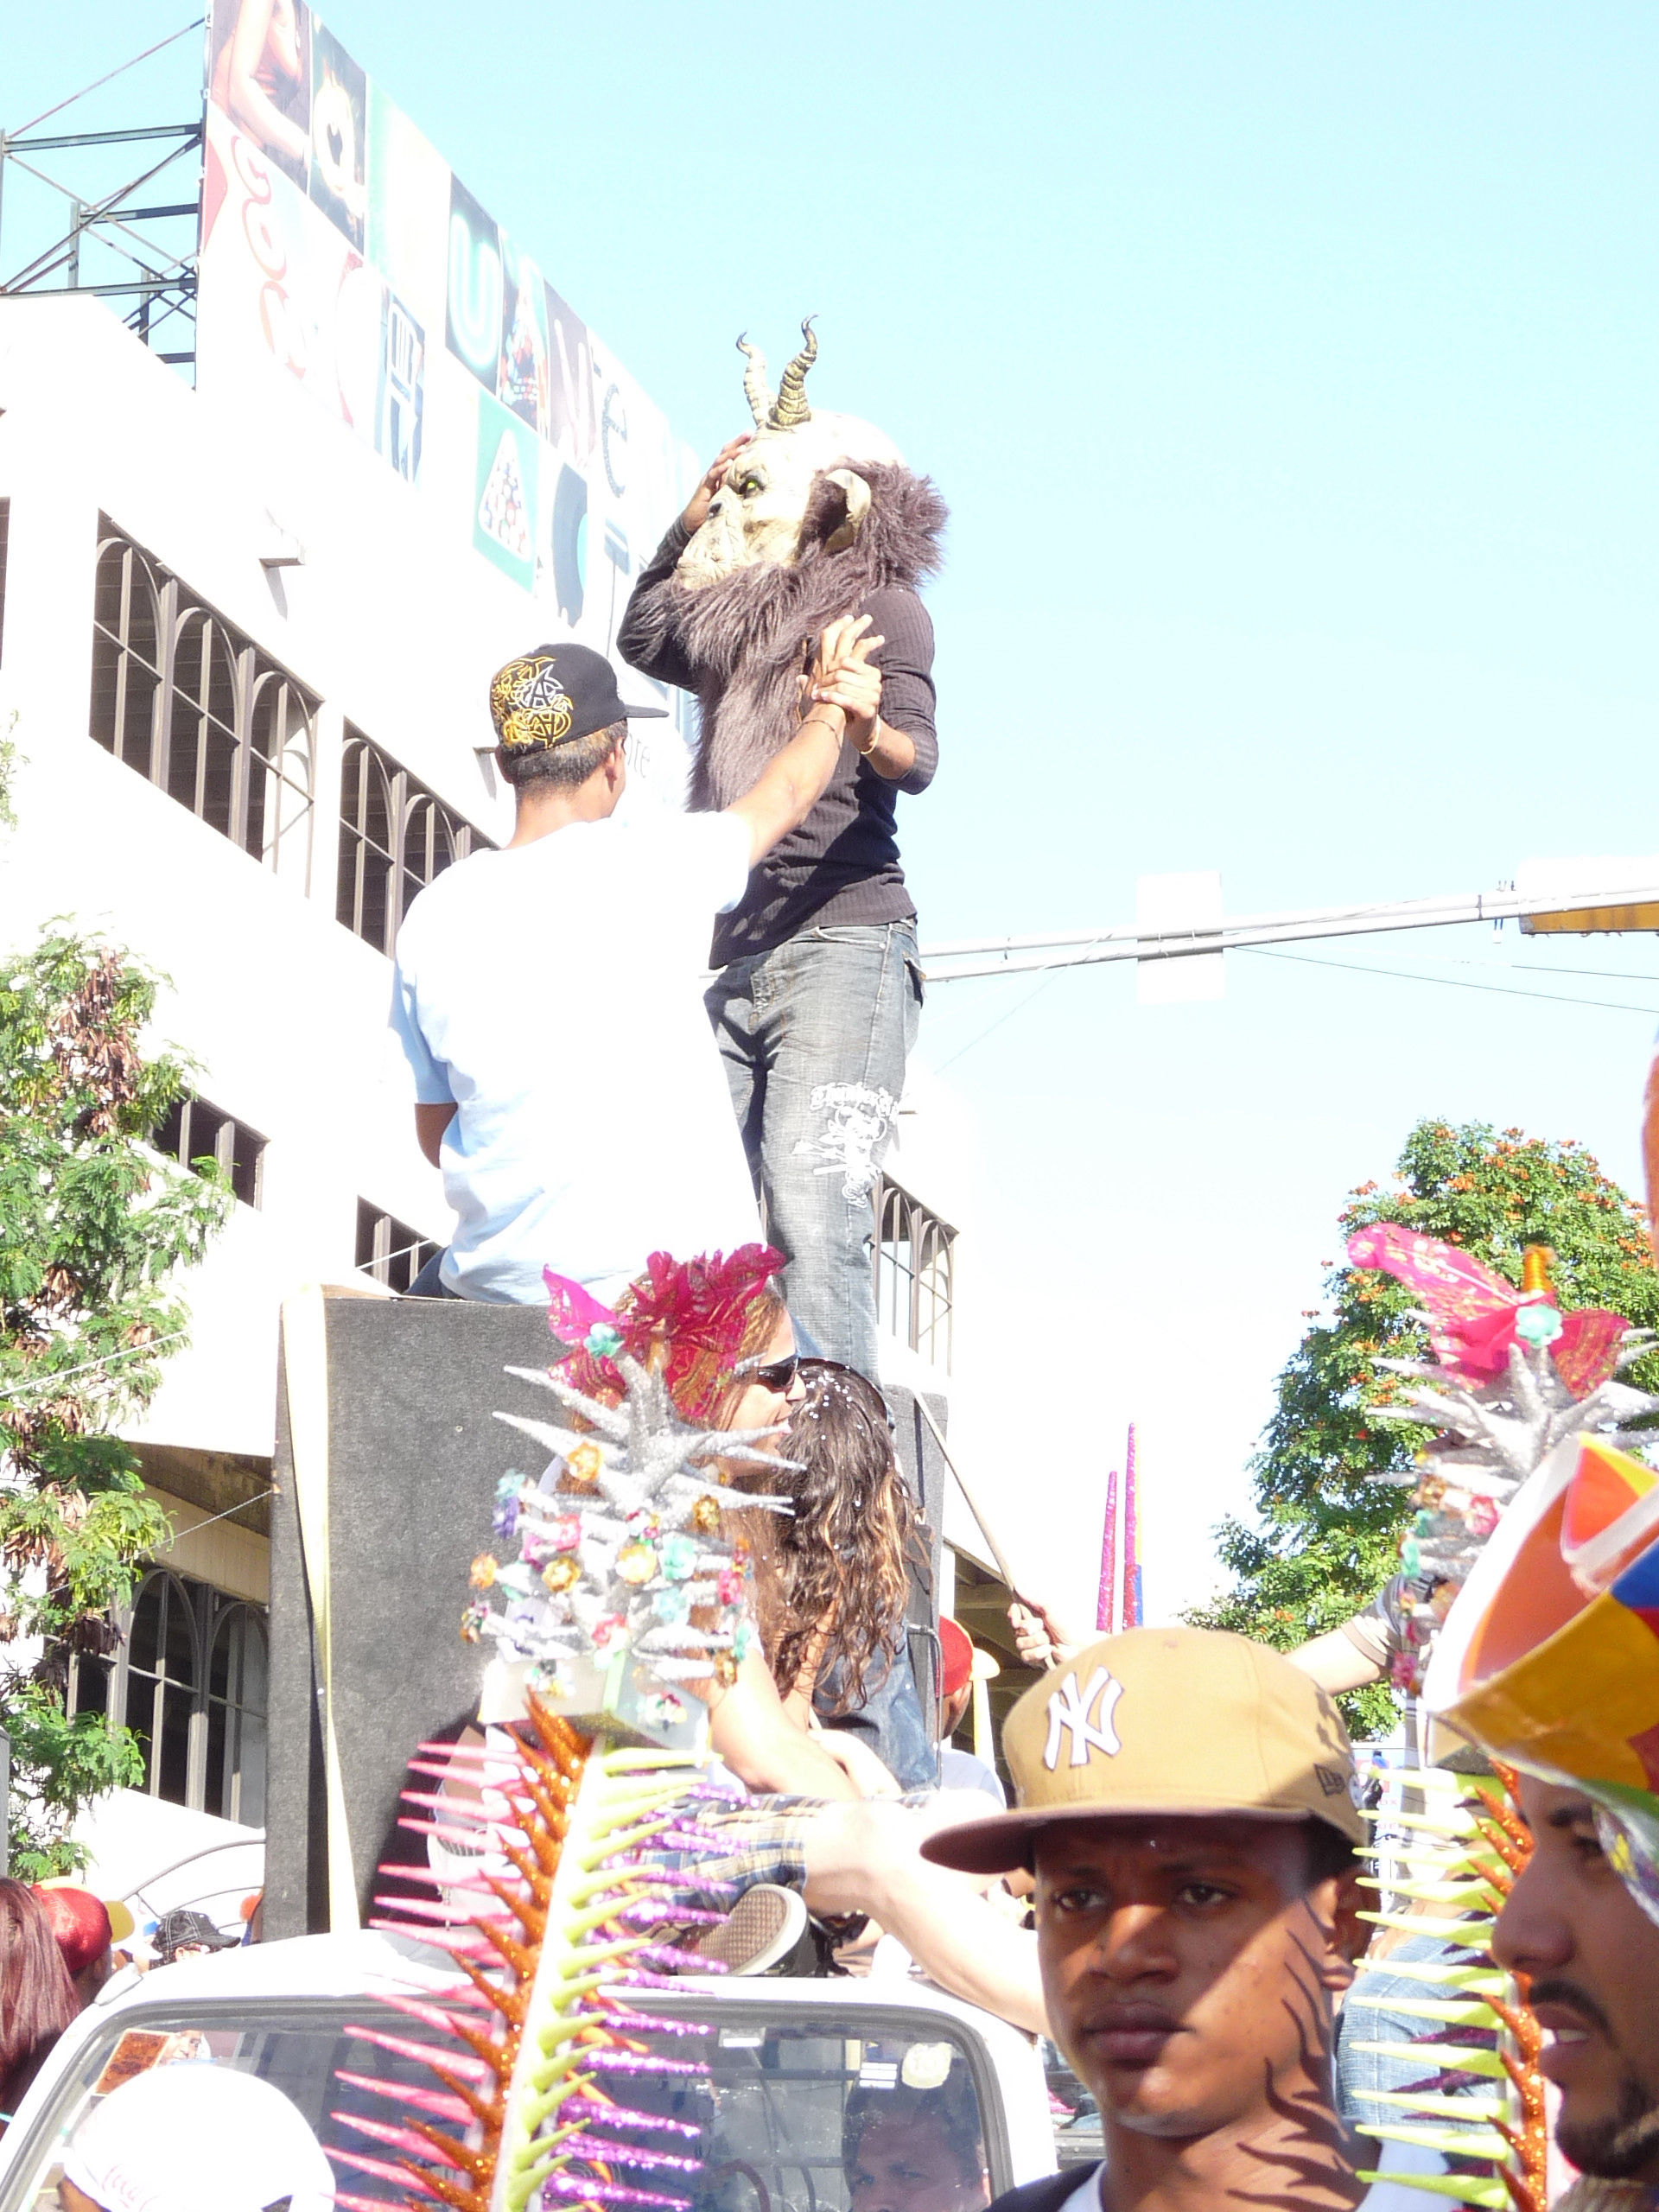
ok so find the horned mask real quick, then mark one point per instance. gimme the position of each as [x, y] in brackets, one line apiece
[756, 515]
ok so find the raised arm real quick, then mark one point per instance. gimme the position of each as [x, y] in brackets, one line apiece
[639, 638]
[750, 1730]
[900, 741]
[842, 685]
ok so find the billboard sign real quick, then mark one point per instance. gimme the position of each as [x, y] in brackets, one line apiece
[342, 258]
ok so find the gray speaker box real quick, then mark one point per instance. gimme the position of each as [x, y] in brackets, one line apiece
[411, 1389]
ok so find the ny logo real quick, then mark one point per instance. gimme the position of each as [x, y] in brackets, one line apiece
[1067, 1710]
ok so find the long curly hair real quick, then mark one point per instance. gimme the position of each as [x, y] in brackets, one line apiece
[832, 1578]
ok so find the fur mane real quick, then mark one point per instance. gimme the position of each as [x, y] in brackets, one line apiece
[747, 637]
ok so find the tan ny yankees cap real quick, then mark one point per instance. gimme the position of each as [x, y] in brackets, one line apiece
[1170, 1720]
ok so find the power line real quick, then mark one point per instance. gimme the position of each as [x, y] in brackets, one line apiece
[62, 1374]
[1055, 968]
[1360, 968]
[225, 1515]
[1449, 983]
[1541, 968]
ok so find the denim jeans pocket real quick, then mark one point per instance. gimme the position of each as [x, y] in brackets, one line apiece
[861, 933]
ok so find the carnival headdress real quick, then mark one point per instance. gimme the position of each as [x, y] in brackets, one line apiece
[700, 1318]
[573, 1825]
[1550, 1657]
[1519, 1390]
[1512, 1377]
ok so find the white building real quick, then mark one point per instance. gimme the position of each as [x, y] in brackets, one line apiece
[248, 669]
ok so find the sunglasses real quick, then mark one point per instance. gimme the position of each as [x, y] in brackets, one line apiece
[773, 1374]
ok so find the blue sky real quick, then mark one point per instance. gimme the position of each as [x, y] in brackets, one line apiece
[1289, 372]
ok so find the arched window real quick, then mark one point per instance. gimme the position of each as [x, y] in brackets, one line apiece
[188, 1677]
[182, 696]
[234, 1785]
[129, 626]
[915, 1264]
[163, 1678]
[394, 838]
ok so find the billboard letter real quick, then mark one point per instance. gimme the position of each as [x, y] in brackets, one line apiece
[474, 311]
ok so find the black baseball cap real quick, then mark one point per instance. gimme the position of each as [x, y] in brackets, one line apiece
[554, 694]
[182, 1928]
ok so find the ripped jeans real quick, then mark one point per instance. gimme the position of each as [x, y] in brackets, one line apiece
[814, 1035]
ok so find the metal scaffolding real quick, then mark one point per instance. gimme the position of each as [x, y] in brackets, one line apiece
[124, 245]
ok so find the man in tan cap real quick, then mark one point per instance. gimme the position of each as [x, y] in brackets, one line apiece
[1186, 1804]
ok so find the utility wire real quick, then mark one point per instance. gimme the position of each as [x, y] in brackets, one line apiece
[1447, 982]
[1056, 967]
[172, 39]
[1537, 968]
[62, 1374]
[225, 1515]
[1360, 968]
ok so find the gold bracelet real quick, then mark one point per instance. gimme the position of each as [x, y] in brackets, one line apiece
[865, 751]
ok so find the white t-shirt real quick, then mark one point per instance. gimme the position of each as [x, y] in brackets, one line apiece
[553, 992]
[962, 1771]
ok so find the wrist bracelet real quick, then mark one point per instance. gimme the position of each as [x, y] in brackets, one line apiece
[823, 720]
[865, 751]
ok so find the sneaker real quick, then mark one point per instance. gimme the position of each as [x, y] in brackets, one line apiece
[760, 1930]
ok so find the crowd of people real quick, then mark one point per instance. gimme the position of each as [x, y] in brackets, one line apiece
[1174, 1896]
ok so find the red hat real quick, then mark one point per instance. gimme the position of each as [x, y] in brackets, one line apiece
[80, 1922]
[956, 1655]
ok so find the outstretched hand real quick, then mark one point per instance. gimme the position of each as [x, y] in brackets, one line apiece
[841, 676]
[1038, 1637]
[696, 510]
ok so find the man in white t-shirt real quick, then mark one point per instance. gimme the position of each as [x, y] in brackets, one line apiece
[549, 996]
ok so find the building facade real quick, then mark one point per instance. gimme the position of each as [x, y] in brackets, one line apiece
[246, 676]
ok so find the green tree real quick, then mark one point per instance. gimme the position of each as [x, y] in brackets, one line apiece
[92, 1223]
[1326, 1537]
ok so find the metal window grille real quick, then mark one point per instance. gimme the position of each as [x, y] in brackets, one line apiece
[913, 1265]
[388, 1250]
[396, 836]
[196, 1129]
[187, 1676]
[5, 533]
[198, 709]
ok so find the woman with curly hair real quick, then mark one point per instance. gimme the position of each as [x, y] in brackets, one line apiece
[832, 1578]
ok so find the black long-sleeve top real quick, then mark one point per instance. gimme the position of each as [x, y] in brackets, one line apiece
[842, 864]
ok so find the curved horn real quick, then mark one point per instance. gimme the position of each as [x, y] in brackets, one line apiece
[756, 389]
[790, 408]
